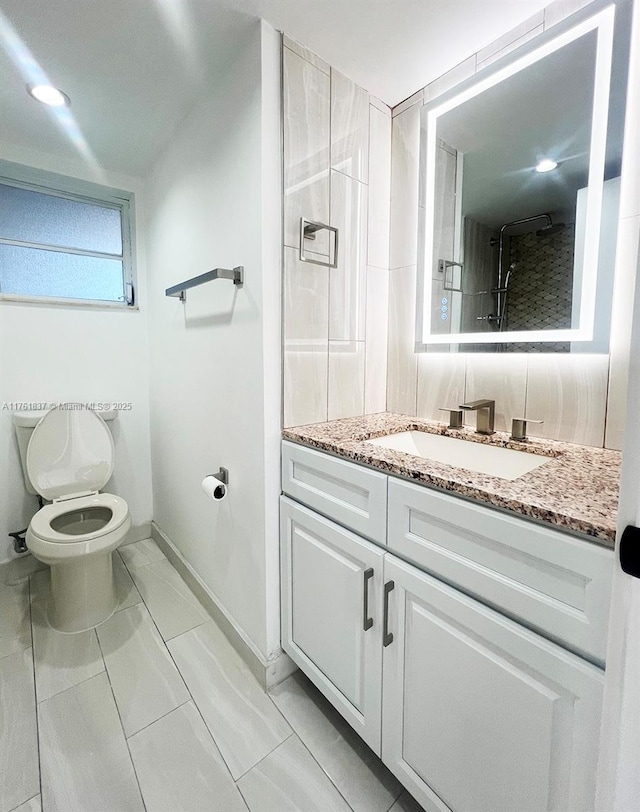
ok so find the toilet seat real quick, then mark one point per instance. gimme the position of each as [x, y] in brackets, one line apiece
[70, 454]
[41, 522]
[69, 458]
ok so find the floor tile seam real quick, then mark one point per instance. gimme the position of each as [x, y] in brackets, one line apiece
[141, 566]
[124, 735]
[37, 795]
[292, 726]
[35, 694]
[147, 566]
[164, 715]
[395, 800]
[175, 636]
[242, 666]
[130, 569]
[134, 541]
[19, 578]
[326, 774]
[166, 648]
[18, 650]
[191, 696]
[244, 800]
[193, 699]
[75, 685]
[200, 713]
[139, 591]
[246, 671]
[317, 760]
[262, 758]
[122, 608]
[206, 725]
[9, 586]
[402, 790]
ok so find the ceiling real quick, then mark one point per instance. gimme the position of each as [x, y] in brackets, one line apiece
[135, 68]
[542, 111]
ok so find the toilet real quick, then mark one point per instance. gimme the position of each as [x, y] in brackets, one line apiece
[67, 459]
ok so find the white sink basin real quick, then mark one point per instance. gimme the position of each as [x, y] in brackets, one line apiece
[506, 463]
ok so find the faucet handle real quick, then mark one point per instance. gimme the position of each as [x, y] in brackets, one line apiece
[519, 427]
[455, 416]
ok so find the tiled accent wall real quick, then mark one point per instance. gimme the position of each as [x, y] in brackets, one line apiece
[580, 397]
[337, 170]
[541, 286]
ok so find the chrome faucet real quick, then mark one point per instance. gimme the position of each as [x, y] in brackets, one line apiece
[485, 419]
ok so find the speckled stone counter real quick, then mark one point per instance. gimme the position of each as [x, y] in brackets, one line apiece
[576, 490]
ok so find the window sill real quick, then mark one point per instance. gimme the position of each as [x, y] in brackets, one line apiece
[87, 304]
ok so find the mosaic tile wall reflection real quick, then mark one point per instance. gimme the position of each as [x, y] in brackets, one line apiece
[541, 286]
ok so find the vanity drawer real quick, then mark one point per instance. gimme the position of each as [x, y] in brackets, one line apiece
[553, 582]
[351, 495]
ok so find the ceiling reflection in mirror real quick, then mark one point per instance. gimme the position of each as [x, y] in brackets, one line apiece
[520, 170]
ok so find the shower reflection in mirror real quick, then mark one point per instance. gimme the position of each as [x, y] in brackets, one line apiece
[520, 174]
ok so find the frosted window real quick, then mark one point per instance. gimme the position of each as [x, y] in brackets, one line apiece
[62, 238]
[38, 272]
[36, 217]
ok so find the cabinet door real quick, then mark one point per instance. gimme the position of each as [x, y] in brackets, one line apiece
[479, 713]
[332, 613]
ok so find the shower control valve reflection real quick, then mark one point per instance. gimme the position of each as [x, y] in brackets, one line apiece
[491, 318]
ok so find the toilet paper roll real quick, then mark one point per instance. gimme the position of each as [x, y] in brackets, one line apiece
[214, 489]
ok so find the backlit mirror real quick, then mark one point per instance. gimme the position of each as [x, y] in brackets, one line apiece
[520, 185]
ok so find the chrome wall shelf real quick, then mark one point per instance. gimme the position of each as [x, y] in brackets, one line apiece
[180, 291]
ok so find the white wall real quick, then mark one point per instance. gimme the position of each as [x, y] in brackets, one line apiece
[52, 353]
[214, 200]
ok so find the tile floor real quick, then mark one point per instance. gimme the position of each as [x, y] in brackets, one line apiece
[154, 710]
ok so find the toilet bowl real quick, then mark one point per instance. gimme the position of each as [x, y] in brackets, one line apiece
[69, 458]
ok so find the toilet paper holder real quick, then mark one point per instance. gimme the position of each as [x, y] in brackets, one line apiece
[222, 475]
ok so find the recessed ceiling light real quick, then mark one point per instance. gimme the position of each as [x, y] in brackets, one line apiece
[546, 165]
[47, 94]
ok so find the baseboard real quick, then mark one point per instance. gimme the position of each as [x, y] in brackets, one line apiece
[137, 532]
[279, 667]
[268, 672]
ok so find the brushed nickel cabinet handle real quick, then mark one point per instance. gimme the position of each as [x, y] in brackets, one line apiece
[387, 636]
[367, 622]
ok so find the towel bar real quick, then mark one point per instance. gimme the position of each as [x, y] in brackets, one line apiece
[180, 291]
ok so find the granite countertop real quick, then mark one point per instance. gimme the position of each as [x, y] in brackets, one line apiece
[576, 490]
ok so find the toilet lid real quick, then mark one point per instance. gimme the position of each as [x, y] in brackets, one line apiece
[70, 452]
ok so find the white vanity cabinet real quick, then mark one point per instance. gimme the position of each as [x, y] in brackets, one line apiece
[479, 713]
[472, 710]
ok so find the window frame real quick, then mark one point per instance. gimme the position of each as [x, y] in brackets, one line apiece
[64, 186]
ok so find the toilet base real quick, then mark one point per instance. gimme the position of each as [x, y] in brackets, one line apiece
[83, 593]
